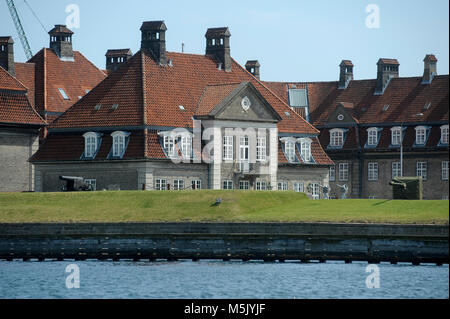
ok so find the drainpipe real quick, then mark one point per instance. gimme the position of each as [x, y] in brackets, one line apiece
[361, 162]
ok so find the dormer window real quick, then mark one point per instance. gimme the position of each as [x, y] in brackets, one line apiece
[372, 136]
[305, 149]
[119, 143]
[90, 144]
[396, 136]
[421, 135]
[289, 148]
[169, 145]
[444, 134]
[186, 146]
[336, 138]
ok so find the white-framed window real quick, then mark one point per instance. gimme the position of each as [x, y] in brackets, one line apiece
[315, 190]
[373, 171]
[178, 184]
[343, 172]
[118, 143]
[421, 135]
[244, 185]
[299, 187]
[289, 148]
[336, 137]
[444, 167]
[196, 184]
[169, 145]
[332, 173]
[90, 144]
[372, 136]
[261, 186]
[421, 170]
[227, 184]
[396, 135]
[261, 149]
[186, 146]
[282, 186]
[244, 149]
[160, 184]
[305, 149]
[92, 183]
[444, 134]
[228, 148]
[63, 94]
[396, 169]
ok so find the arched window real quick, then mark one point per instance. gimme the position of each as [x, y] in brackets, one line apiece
[336, 138]
[396, 135]
[421, 135]
[305, 149]
[372, 136]
[90, 144]
[118, 143]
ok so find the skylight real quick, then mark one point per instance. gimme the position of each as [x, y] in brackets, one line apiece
[427, 106]
[385, 108]
[97, 107]
[115, 107]
[63, 94]
[181, 107]
[287, 113]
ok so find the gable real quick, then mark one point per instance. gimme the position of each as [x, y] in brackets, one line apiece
[341, 115]
[244, 103]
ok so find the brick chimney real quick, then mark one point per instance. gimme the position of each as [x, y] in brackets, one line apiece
[154, 40]
[253, 67]
[218, 45]
[7, 55]
[430, 68]
[61, 42]
[346, 74]
[387, 69]
[116, 57]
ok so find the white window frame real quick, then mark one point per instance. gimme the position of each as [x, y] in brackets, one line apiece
[289, 149]
[282, 186]
[92, 182]
[244, 149]
[244, 185]
[332, 173]
[444, 169]
[261, 149]
[227, 185]
[396, 136]
[336, 137]
[396, 169]
[197, 183]
[90, 144]
[372, 136]
[421, 135]
[299, 187]
[315, 190]
[119, 139]
[372, 171]
[422, 170]
[186, 146]
[343, 172]
[305, 149]
[169, 145]
[444, 134]
[178, 184]
[228, 142]
[261, 186]
[161, 184]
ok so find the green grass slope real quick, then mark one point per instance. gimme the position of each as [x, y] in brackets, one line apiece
[195, 206]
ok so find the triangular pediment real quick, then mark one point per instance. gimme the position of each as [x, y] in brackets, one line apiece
[240, 102]
[342, 114]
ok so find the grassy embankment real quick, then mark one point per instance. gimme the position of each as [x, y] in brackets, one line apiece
[195, 206]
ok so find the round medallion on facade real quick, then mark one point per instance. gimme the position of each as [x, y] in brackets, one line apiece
[246, 103]
[340, 117]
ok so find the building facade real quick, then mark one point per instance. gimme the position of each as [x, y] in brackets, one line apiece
[375, 130]
[163, 120]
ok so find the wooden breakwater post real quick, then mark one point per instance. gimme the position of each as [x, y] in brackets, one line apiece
[226, 241]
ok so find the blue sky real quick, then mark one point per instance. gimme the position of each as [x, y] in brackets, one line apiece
[293, 40]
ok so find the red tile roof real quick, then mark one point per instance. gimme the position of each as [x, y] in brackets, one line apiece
[212, 96]
[15, 107]
[74, 77]
[25, 73]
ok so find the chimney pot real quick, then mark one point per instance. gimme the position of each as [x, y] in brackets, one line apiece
[116, 57]
[346, 73]
[218, 45]
[387, 69]
[7, 55]
[430, 68]
[61, 42]
[154, 40]
[253, 67]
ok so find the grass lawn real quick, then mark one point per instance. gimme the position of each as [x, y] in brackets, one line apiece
[194, 206]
